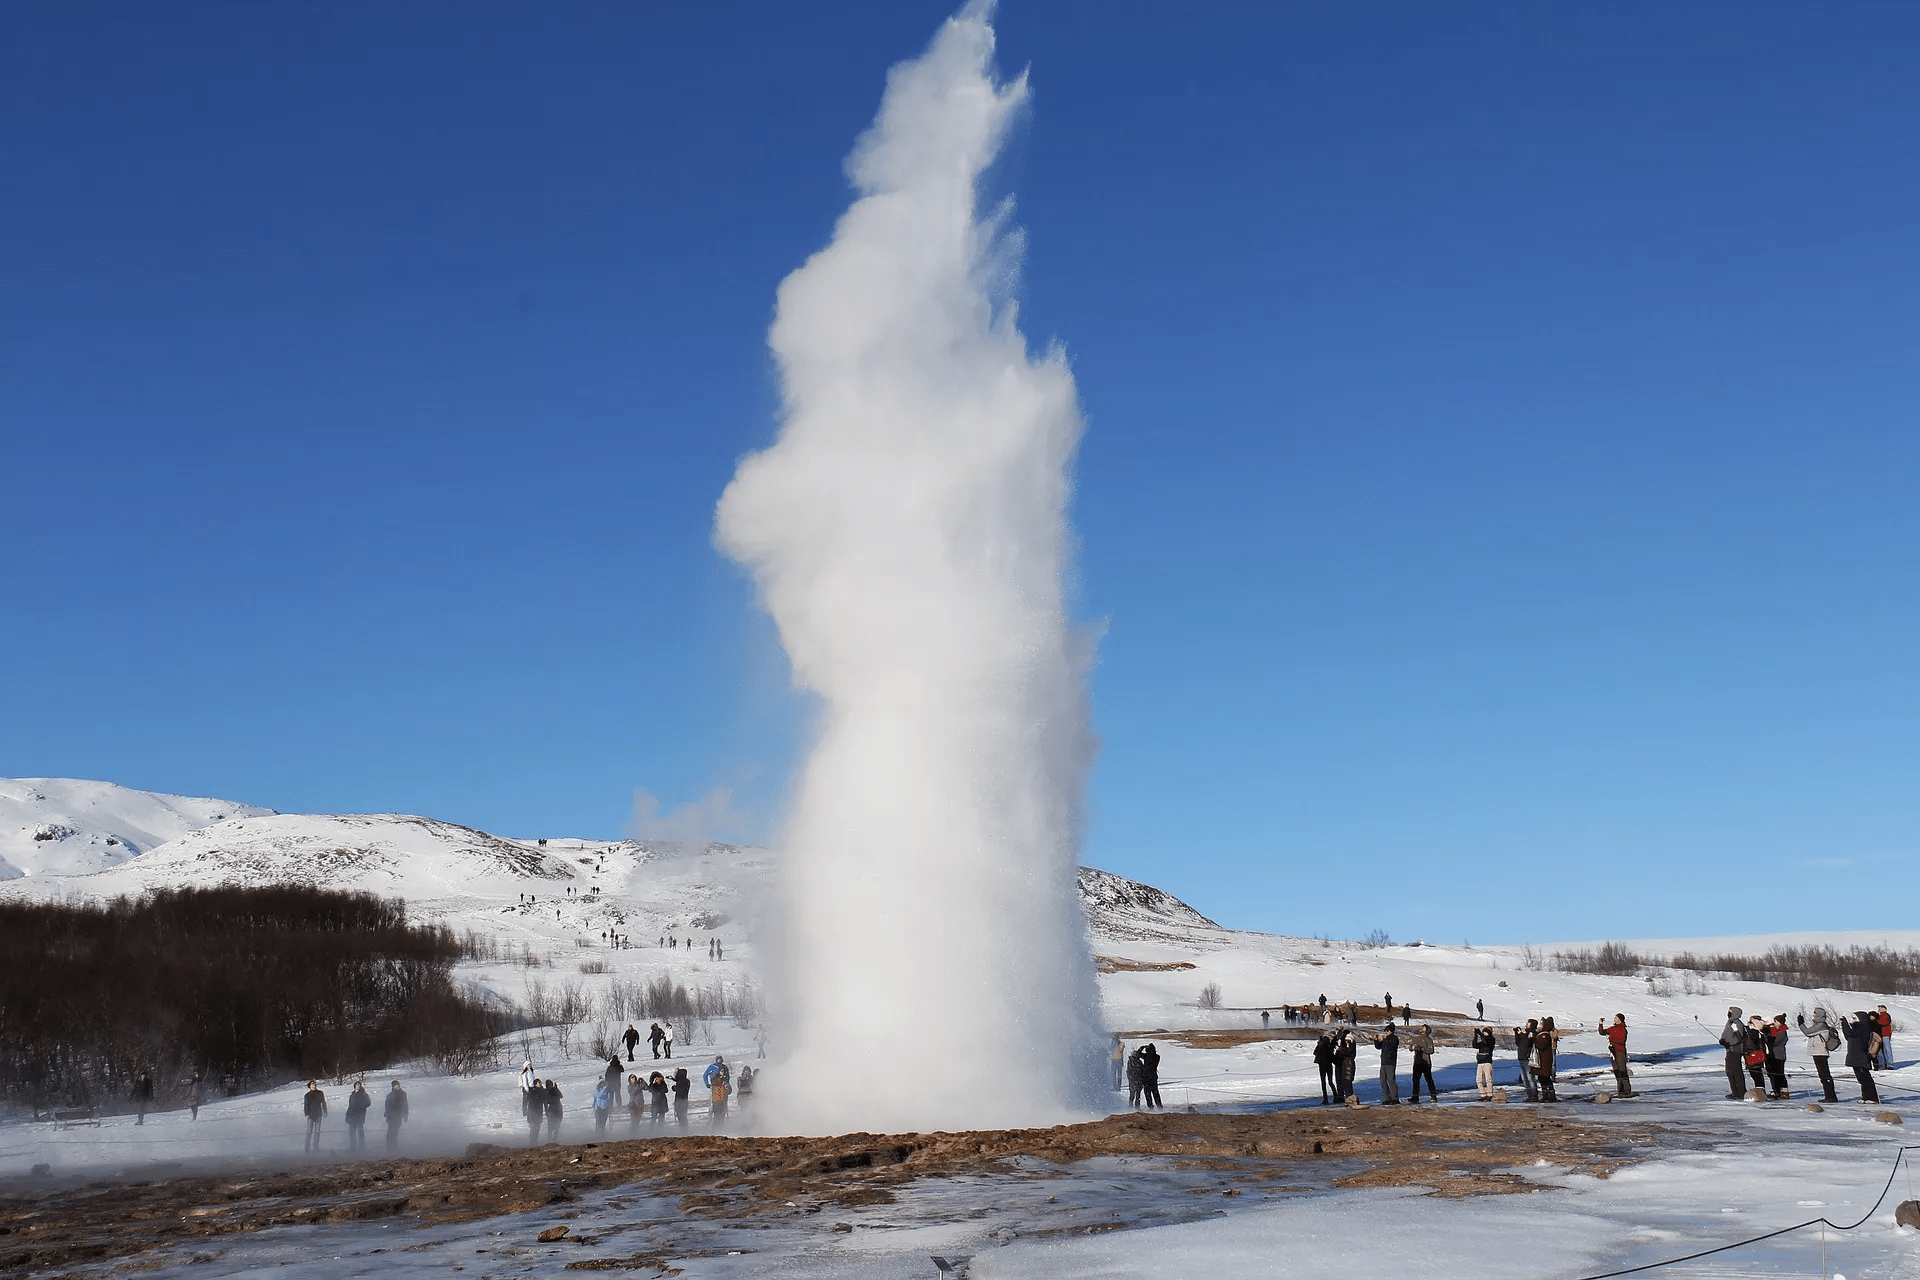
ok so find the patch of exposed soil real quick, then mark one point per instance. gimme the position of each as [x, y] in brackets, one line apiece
[1120, 964]
[1454, 1149]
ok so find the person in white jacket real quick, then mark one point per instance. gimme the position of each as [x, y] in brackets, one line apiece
[1822, 1040]
[666, 1038]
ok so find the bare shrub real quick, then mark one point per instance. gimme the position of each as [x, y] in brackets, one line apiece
[1612, 959]
[1209, 996]
[1876, 969]
[1532, 959]
[1378, 938]
[593, 966]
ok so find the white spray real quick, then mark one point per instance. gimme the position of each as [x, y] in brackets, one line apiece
[908, 534]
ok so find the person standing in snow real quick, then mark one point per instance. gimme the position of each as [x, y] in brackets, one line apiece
[1523, 1046]
[682, 1086]
[533, 1105]
[602, 1106]
[1484, 1045]
[358, 1104]
[143, 1096]
[395, 1112]
[528, 1080]
[1886, 1039]
[1756, 1053]
[666, 1037]
[1860, 1033]
[717, 1092]
[636, 1105]
[314, 1107]
[1617, 1046]
[654, 1036]
[1480, 1009]
[657, 1095]
[196, 1094]
[1136, 1079]
[1733, 1039]
[550, 1095]
[1423, 1064]
[1546, 1053]
[1150, 1076]
[1119, 1056]
[1387, 1004]
[1389, 1046]
[1822, 1040]
[1266, 1019]
[1778, 1038]
[613, 1073]
[1323, 1059]
[632, 1037]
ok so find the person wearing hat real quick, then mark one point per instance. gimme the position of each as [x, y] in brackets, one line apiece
[1733, 1039]
[1756, 1052]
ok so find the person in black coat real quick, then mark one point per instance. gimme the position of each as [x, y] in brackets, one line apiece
[632, 1037]
[1323, 1059]
[1150, 1076]
[1136, 1078]
[682, 1086]
[1859, 1034]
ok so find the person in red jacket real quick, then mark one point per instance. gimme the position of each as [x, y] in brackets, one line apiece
[1617, 1042]
[1885, 1020]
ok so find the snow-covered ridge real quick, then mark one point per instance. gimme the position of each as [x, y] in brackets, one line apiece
[70, 826]
[448, 871]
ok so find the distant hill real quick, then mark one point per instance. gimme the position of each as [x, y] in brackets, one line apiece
[69, 826]
[443, 870]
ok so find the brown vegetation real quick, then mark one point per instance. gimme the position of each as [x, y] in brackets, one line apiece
[247, 986]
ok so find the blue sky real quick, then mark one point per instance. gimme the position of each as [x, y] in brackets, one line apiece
[1499, 489]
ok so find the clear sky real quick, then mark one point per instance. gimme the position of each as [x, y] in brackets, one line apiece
[1500, 488]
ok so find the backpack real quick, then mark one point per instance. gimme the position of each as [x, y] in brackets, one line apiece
[1873, 1044]
[1833, 1039]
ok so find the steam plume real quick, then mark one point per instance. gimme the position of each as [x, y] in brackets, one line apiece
[908, 534]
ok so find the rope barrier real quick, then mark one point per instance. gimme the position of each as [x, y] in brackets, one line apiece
[1899, 1156]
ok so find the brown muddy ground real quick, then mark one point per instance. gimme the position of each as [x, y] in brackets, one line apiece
[1456, 1150]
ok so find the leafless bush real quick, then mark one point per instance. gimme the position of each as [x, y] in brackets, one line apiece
[593, 966]
[1875, 969]
[1378, 938]
[1532, 959]
[1209, 996]
[1612, 959]
[604, 1042]
[540, 1006]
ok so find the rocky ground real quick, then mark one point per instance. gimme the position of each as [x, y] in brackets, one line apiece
[821, 1182]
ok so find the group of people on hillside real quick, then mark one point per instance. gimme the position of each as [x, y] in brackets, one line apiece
[313, 1105]
[1756, 1051]
[659, 1039]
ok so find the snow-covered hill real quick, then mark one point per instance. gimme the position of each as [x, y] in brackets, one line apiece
[560, 890]
[69, 826]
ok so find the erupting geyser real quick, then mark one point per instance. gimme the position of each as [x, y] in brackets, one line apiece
[908, 533]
